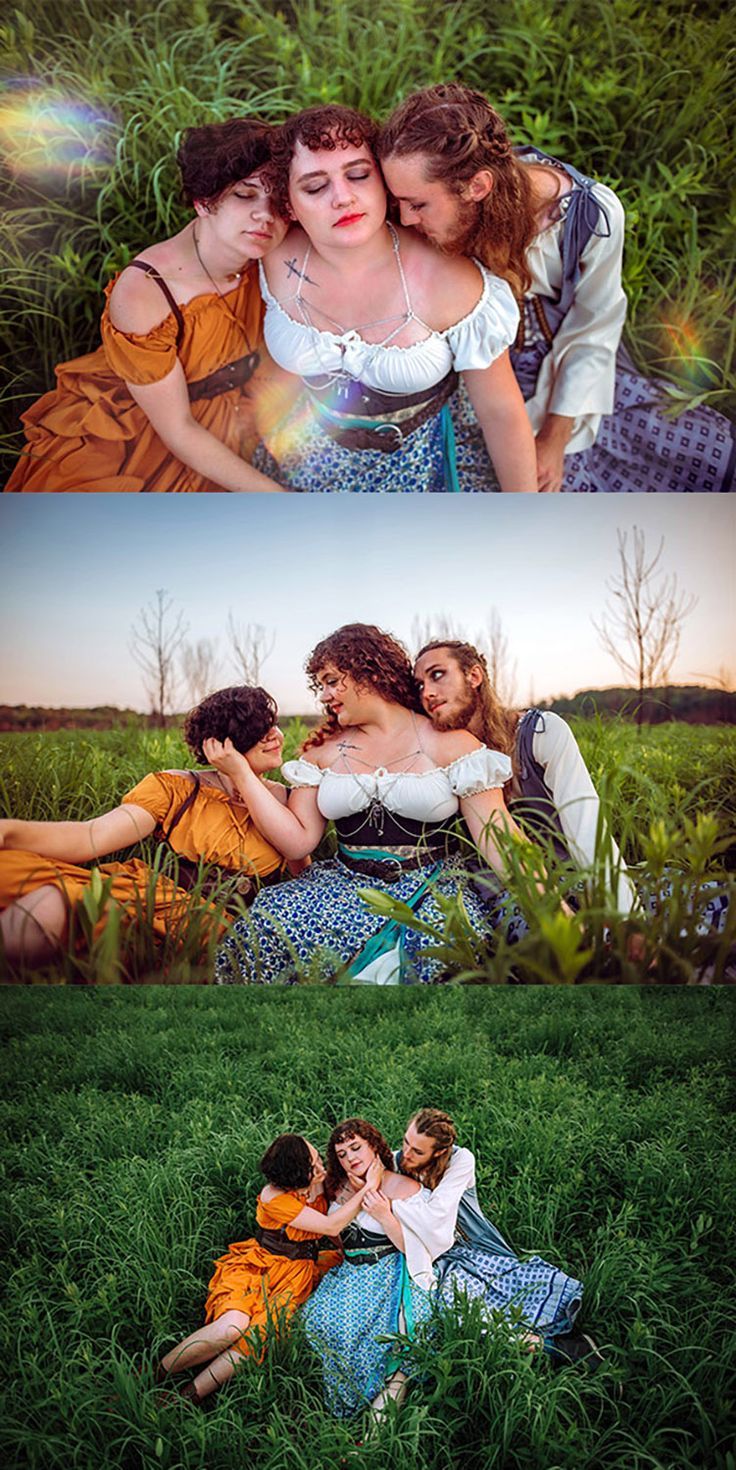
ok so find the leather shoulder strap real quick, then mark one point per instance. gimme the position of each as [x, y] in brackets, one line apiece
[150, 270]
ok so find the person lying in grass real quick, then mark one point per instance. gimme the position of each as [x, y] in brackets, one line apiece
[264, 1279]
[44, 877]
[168, 402]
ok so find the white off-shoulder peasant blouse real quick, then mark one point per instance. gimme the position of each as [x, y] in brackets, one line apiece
[424, 796]
[474, 342]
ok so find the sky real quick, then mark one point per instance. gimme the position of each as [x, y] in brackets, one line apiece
[75, 570]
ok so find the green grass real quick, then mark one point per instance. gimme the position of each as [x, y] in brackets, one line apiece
[669, 791]
[603, 1128]
[638, 95]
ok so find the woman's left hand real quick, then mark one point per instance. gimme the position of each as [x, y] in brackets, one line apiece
[224, 757]
[376, 1205]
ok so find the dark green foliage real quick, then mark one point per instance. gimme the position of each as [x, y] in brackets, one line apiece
[602, 1124]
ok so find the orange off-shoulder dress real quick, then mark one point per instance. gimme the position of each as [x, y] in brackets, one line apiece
[251, 1279]
[90, 434]
[213, 828]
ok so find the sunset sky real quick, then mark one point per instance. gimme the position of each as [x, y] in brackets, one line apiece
[76, 569]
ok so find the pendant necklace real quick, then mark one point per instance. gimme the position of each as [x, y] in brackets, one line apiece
[253, 356]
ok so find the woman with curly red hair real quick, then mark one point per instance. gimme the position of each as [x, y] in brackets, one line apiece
[378, 325]
[169, 401]
[201, 816]
[382, 1287]
[393, 785]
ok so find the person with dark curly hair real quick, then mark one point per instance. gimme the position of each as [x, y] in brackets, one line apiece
[393, 785]
[378, 325]
[264, 1279]
[382, 1287]
[201, 816]
[170, 401]
[557, 236]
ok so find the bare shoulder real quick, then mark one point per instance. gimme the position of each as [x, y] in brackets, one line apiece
[398, 1186]
[446, 746]
[443, 288]
[137, 303]
[283, 266]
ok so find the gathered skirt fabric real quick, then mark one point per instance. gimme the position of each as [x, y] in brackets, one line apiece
[532, 1295]
[347, 1319]
[318, 923]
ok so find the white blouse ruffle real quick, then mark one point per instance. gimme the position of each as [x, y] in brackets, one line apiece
[425, 796]
[473, 342]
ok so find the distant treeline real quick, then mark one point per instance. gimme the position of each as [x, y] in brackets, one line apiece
[691, 704]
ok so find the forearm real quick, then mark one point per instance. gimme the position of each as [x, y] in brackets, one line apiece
[71, 842]
[510, 443]
[202, 451]
[394, 1230]
[556, 431]
[274, 820]
[338, 1219]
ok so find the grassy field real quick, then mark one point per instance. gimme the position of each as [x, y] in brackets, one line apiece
[603, 1128]
[669, 792]
[97, 95]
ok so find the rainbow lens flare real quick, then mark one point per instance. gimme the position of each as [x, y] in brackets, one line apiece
[688, 347]
[48, 138]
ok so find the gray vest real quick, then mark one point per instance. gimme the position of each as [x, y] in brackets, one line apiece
[535, 807]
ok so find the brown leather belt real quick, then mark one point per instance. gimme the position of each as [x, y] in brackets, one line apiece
[280, 1245]
[389, 437]
[390, 870]
[232, 375]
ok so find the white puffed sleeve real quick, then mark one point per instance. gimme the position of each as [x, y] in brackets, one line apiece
[577, 377]
[565, 773]
[433, 1214]
[482, 770]
[301, 773]
[491, 327]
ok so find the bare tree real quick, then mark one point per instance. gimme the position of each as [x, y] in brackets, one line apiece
[251, 645]
[155, 640]
[200, 667]
[495, 645]
[437, 625]
[641, 626]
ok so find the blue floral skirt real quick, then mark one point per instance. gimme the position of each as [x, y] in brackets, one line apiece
[352, 1309]
[301, 456]
[533, 1295]
[317, 923]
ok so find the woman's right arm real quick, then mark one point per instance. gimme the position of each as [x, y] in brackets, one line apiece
[332, 1224]
[166, 406]
[136, 309]
[80, 842]
[295, 829]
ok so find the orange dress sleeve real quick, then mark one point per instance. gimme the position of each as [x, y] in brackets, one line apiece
[139, 359]
[153, 793]
[283, 1208]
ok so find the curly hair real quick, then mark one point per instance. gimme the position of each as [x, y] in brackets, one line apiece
[352, 1128]
[497, 723]
[435, 1124]
[373, 660]
[287, 1162]
[328, 127]
[458, 133]
[243, 713]
[214, 157]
